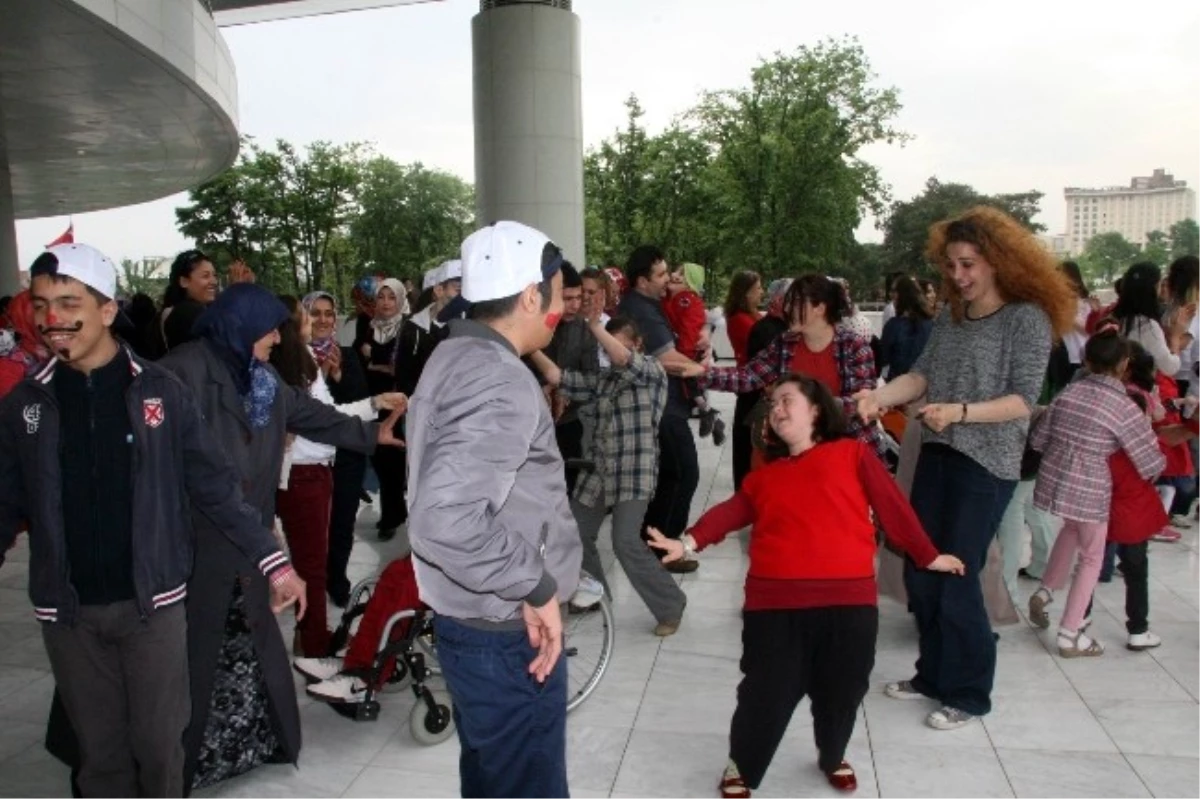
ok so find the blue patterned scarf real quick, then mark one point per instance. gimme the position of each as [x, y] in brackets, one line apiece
[261, 397]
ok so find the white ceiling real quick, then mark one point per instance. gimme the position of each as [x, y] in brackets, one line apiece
[105, 103]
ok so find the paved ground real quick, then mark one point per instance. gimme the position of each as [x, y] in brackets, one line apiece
[1121, 725]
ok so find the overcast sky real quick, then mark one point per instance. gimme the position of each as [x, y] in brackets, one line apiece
[1003, 96]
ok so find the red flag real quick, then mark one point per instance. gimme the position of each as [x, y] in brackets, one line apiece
[68, 236]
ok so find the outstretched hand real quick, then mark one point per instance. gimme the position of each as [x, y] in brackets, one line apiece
[867, 405]
[672, 547]
[391, 401]
[387, 429]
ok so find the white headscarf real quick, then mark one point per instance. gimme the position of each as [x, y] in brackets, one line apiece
[386, 329]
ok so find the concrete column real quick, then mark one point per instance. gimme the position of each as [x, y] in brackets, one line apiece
[9, 266]
[528, 119]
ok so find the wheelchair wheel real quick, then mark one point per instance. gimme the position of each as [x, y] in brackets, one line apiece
[588, 640]
[399, 681]
[432, 726]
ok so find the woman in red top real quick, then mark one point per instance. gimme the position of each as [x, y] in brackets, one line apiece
[810, 617]
[741, 314]
[815, 345]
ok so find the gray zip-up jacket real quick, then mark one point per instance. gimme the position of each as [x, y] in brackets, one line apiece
[488, 520]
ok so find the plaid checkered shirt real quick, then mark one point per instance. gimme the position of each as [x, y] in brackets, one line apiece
[622, 406]
[1091, 419]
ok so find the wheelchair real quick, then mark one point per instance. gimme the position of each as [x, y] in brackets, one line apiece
[588, 641]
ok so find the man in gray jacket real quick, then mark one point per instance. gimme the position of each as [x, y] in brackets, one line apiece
[495, 546]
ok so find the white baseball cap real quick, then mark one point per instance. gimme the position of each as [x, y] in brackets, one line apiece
[450, 270]
[504, 258]
[431, 278]
[87, 265]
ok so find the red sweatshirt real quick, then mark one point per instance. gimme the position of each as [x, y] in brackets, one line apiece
[813, 542]
[686, 315]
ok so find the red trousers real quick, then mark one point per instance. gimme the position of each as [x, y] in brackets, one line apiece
[395, 591]
[304, 509]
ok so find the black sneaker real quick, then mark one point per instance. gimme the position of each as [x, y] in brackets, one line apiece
[718, 432]
[707, 422]
[387, 533]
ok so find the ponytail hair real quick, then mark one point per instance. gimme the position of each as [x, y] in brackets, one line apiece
[1106, 349]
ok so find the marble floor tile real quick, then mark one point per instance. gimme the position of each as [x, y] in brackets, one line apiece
[1083, 774]
[379, 781]
[1038, 723]
[914, 769]
[1151, 728]
[1168, 776]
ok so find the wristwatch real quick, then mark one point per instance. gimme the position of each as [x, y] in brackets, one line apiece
[689, 546]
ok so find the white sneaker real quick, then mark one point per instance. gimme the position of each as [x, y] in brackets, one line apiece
[588, 594]
[1139, 642]
[318, 669]
[340, 689]
[1181, 522]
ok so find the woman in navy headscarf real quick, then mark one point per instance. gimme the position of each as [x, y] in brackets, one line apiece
[244, 709]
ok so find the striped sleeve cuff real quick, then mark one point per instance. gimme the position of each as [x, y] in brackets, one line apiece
[272, 563]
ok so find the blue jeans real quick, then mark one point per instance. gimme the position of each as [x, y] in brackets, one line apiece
[513, 730]
[960, 504]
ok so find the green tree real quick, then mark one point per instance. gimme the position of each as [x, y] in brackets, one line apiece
[650, 189]
[309, 219]
[906, 226]
[1185, 238]
[1106, 256]
[1157, 249]
[141, 277]
[409, 216]
[790, 181]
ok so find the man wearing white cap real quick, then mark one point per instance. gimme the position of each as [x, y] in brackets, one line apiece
[495, 545]
[422, 331]
[104, 454]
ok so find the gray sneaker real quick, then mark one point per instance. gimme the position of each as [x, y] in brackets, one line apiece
[902, 690]
[949, 718]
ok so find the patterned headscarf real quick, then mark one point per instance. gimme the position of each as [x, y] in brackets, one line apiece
[386, 329]
[322, 347]
[775, 294]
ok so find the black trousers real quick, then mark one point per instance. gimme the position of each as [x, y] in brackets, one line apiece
[123, 681]
[390, 466]
[678, 476]
[349, 468]
[570, 445]
[825, 654]
[740, 438]
[1135, 567]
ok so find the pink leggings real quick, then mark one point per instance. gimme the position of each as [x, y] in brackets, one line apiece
[1088, 538]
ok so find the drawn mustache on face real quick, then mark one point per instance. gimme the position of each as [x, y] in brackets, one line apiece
[75, 328]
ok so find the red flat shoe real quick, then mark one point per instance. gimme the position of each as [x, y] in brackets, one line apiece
[843, 778]
[734, 788]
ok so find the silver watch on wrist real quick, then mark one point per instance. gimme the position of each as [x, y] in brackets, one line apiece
[689, 546]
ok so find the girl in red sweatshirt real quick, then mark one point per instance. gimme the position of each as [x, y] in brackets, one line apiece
[810, 617]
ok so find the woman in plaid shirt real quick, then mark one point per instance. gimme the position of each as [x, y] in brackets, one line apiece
[1090, 420]
[815, 345]
[622, 406]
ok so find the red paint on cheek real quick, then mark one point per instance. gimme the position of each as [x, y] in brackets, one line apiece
[552, 320]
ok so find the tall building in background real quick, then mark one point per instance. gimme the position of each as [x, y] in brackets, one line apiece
[1148, 203]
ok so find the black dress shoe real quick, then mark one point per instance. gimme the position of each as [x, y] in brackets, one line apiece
[387, 533]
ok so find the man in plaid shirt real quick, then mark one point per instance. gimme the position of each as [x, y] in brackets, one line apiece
[623, 406]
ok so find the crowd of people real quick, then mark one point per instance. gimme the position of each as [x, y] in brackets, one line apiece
[185, 469]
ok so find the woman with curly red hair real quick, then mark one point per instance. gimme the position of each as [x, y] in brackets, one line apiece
[981, 372]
